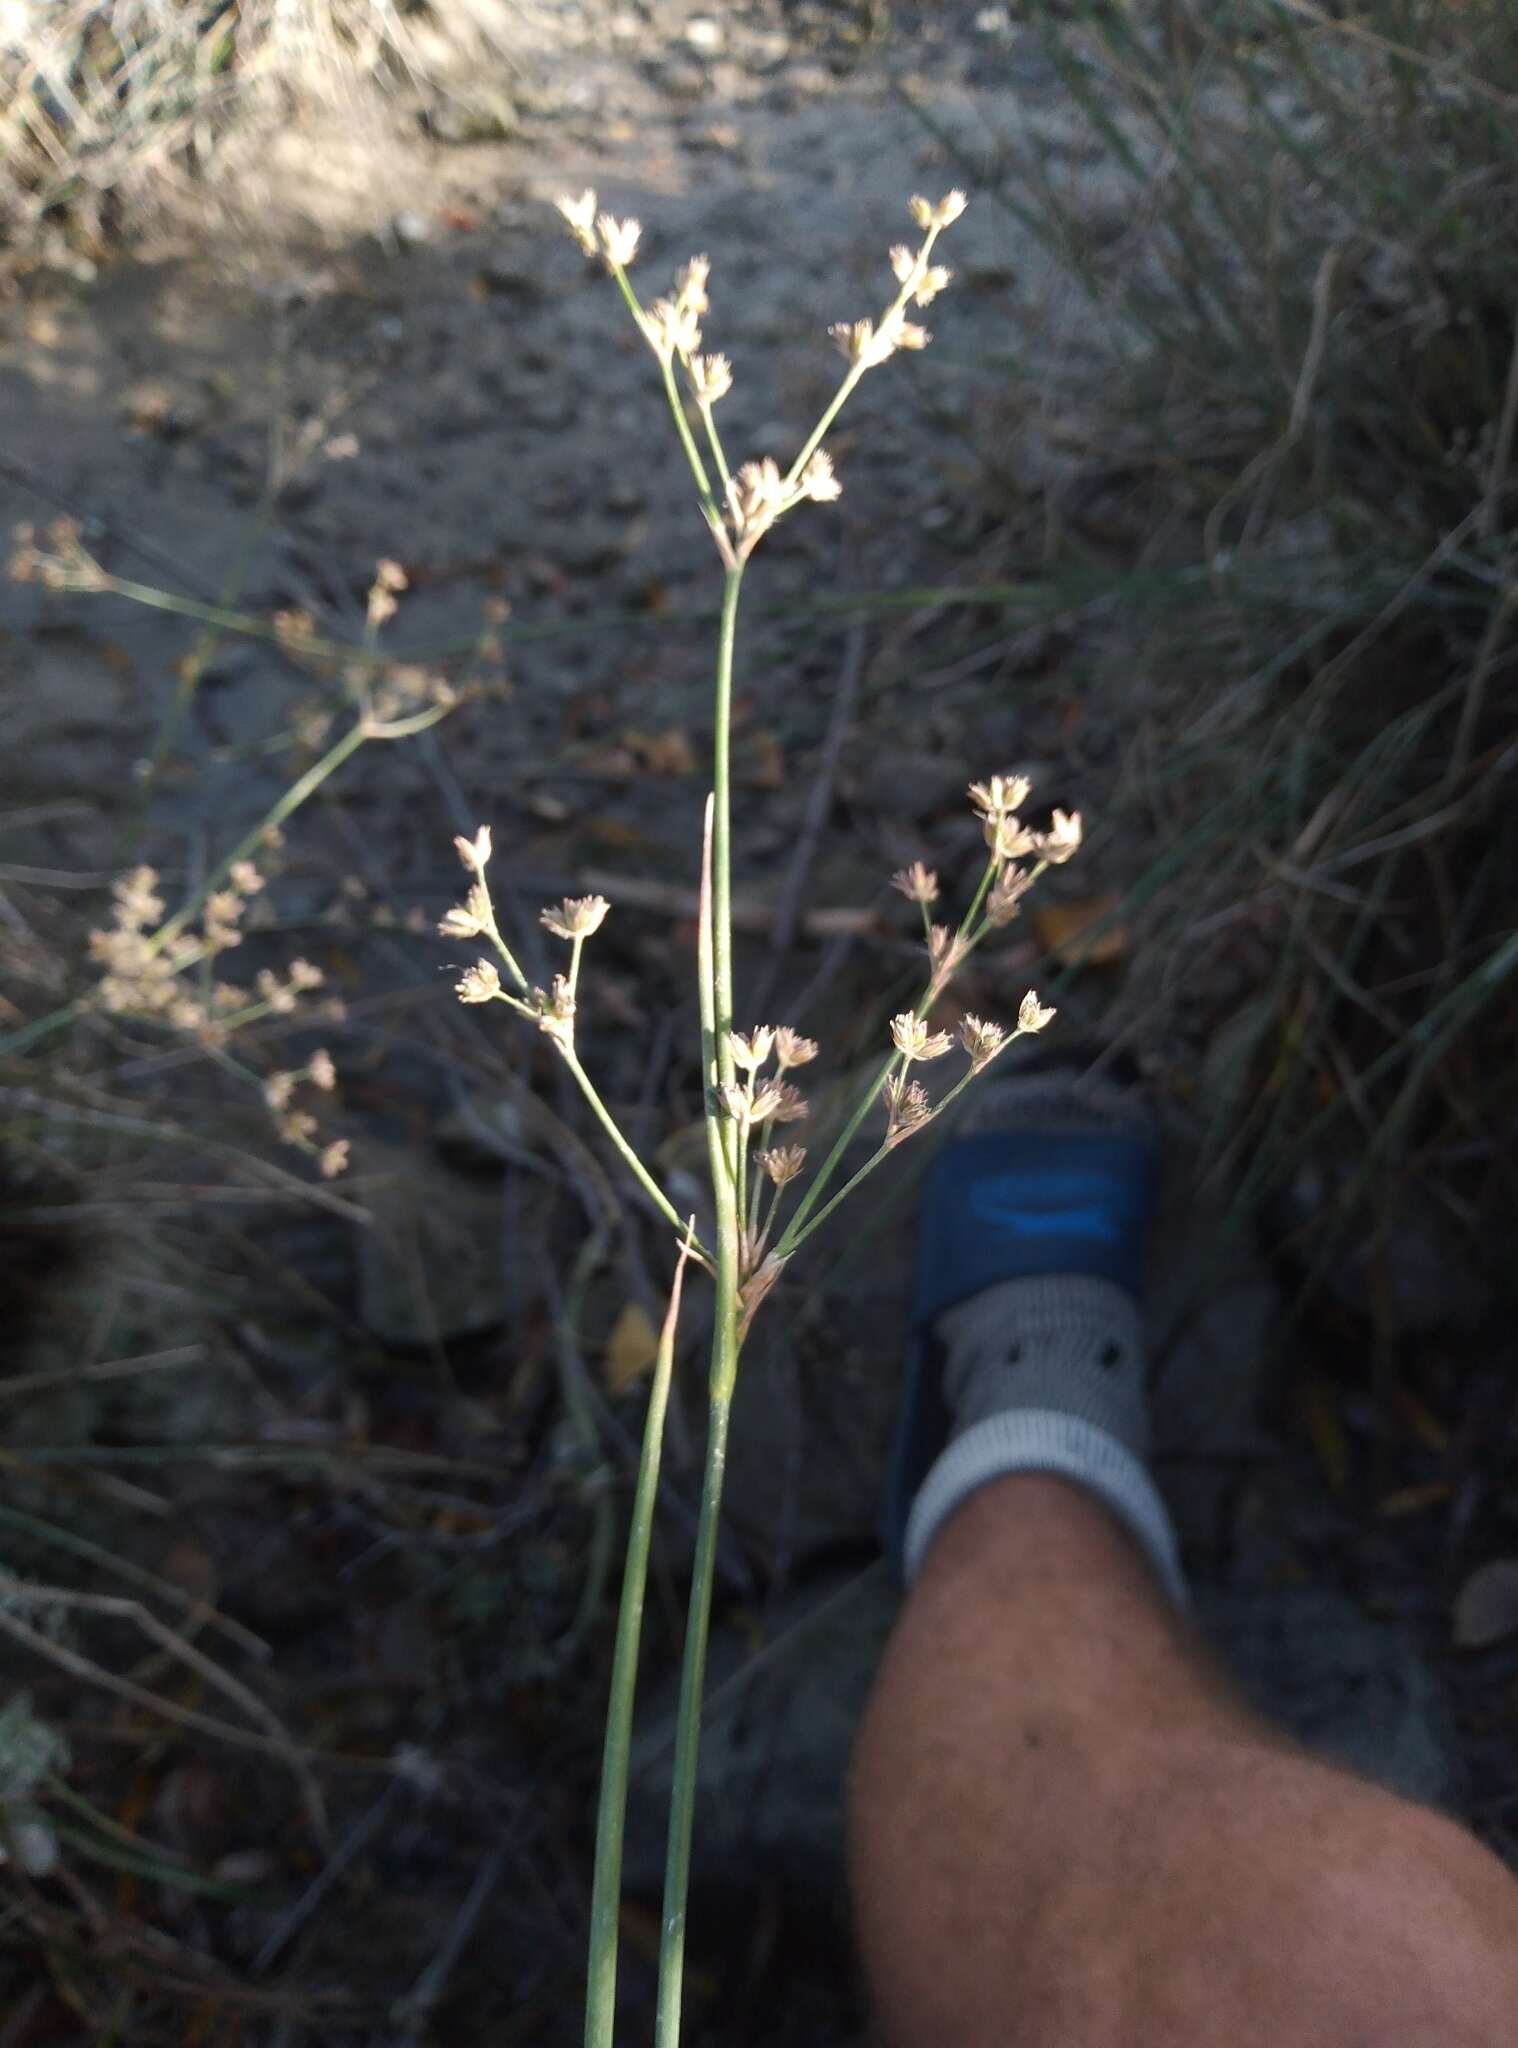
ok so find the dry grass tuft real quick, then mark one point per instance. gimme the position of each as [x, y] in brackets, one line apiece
[1303, 432]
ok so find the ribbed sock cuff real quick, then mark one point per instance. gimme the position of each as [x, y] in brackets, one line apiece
[1047, 1440]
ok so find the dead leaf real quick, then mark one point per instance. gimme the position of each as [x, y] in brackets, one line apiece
[1486, 1607]
[631, 1348]
[1063, 926]
[662, 753]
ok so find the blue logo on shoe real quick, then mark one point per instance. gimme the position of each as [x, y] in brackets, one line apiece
[1055, 1203]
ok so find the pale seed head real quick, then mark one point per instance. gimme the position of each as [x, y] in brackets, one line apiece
[1063, 838]
[917, 883]
[999, 794]
[580, 215]
[750, 1052]
[793, 1107]
[904, 262]
[1010, 839]
[817, 480]
[1007, 893]
[933, 280]
[304, 976]
[907, 1108]
[320, 1071]
[908, 334]
[711, 377]
[619, 239]
[782, 1162]
[1032, 1015]
[791, 1049]
[690, 285]
[333, 1159]
[672, 330]
[909, 1034]
[756, 498]
[855, 340]
[278, 1089]
[981, 1040]
[245, 878]
[474, 853]
[576, 917]
[478, 984]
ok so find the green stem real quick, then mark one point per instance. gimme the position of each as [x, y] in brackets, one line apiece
[609, 1124]
[682, 1810]
[606, 1893]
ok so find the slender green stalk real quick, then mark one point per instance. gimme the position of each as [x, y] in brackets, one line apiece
[682, 1809]
[715, 971]
[825, 1172]
[722, 878]
[606, 1893]
[609, 1124]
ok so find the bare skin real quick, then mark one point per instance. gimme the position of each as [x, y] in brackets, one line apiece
[1066, 1832]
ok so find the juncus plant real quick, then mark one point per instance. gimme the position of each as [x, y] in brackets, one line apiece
[765, 1203]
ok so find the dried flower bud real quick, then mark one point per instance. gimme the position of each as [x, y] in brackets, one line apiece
[474, 853]
[320, 1071]
[908, 334]
[791, 1049]
[818, 481]
[576, 917]
[756, 498]
[904, 262]
[245, 877]
[933, 280]
[943, 215]
[907, 1108]
[767, 1101]
[1032, 1015]
[333, 1159]
[278, 1089]
[690, 285]
[303, 975]
[581, 216]
[782, 1162]
[917, 883]
[1007, 892]
[855, 340]
[479, 984]
[734, 1103]
[914, 1040]
[473, 916]
[671, 330]
[752, 1051]
[981, 1040]
[945, 951]
[711, 377]
[1010, 839]
[619, 239]
[793, 1106]
[1000, 794]
[1062, 839]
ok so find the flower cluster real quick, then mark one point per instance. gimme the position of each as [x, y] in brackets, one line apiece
[147, 974]
[61, 562]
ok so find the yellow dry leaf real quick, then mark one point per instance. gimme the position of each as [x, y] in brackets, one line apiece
[631, 1348]
[1063, 927]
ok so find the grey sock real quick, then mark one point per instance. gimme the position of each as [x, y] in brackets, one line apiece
[1047, 1374]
